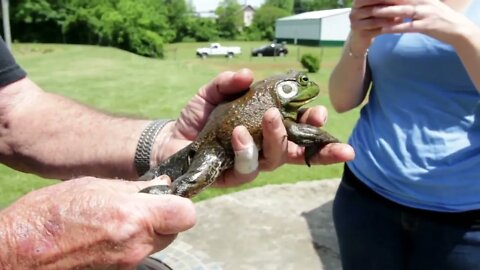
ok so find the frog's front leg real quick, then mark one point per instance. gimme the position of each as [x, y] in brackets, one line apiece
[206, 166]
[313, 138]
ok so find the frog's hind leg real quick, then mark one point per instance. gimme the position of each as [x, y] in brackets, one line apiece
[206, 166]
[174, 166]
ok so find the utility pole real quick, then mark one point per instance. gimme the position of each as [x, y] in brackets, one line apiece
[6, 24]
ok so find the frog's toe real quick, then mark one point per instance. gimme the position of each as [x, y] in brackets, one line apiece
[310, 151]
[150, 175]
[157, 190]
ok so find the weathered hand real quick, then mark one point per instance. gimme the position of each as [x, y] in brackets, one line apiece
[90, 223]
[193, 117]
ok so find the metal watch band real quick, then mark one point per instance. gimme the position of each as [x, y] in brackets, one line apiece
[145, 144]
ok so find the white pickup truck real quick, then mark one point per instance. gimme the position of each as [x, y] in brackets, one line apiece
[216, 49]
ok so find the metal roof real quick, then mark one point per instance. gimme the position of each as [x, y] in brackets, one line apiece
[316, 14]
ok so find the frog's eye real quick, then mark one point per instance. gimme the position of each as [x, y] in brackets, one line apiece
[303, 79]
[287, 89]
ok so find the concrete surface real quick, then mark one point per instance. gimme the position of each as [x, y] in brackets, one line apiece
[272, 227]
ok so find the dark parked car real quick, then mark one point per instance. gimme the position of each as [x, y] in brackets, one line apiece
[274, 49]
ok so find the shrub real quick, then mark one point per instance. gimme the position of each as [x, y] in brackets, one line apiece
[145, 43]
[251, 33]
[202, 29]
[310, 62]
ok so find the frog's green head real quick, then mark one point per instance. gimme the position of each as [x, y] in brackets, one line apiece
[293, 90]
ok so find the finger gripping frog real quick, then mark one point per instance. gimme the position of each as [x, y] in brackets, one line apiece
[198, 165]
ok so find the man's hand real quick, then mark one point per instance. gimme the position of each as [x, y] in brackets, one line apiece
[276, 149]
[90, 223]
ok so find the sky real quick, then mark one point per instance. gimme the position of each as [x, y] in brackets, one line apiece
[211, 5]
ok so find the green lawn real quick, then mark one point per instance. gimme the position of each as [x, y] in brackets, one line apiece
[126, 84]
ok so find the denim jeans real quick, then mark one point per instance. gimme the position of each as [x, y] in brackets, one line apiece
[376, 233]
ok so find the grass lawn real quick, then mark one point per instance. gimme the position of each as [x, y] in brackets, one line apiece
[126, 84]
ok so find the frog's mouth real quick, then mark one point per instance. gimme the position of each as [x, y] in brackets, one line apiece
[299, 103]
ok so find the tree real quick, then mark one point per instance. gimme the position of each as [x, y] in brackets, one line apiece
[230, 19]
[177, 17]
[202, 29]
[265, 18]
[311, 5]
[36, 20]
[282, 4]
[140, 26]
[6, 23]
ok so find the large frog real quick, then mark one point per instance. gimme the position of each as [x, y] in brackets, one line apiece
[198, 165]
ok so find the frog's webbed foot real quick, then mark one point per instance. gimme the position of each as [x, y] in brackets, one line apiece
[310, 151]
[149, 175]
[157, 190]
[313, 138]
[174, 167]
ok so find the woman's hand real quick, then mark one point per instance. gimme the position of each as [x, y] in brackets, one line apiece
[365, 26]
[429, 17]
[276, 149]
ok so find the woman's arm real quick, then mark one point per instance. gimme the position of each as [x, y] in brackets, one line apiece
[350, 78]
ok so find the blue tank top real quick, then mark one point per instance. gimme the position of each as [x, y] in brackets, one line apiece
[417, 140]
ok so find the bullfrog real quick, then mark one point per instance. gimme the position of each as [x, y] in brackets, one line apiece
[198, 165]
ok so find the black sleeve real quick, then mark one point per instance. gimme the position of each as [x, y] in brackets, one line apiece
[10, 71]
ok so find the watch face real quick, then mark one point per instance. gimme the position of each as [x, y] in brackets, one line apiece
[150, 263]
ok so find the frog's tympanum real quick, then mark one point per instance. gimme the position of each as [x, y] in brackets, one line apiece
[198, 165]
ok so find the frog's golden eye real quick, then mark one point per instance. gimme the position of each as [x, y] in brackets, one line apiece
[287, 89]
[303, 79]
